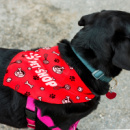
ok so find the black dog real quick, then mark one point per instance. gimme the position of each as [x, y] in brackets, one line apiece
[104, 42]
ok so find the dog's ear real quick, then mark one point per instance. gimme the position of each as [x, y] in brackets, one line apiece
[87, 19]
[121, 49]
[103, 10]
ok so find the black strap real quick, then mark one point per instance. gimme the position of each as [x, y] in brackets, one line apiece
[30, 114]
[52, 127]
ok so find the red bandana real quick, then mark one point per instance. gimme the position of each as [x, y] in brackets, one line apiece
[45, 76]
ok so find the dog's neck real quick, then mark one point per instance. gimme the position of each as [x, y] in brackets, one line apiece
[96, 86]
[97, 74]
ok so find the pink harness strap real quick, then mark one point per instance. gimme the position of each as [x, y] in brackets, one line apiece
[46, 120]
[30, 107]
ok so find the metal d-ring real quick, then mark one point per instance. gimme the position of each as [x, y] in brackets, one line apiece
[111, 88]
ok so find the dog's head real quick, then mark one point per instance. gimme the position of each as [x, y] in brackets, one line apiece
[107, 34]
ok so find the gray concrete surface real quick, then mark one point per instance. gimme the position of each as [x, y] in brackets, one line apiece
[28, 24]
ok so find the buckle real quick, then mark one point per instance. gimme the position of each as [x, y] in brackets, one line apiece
[97, 74]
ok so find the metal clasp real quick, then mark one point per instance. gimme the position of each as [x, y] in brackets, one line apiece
[97, 74]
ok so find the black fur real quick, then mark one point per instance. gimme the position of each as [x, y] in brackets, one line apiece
[104, 41]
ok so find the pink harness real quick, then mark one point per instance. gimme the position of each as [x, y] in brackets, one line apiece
[31, 115]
